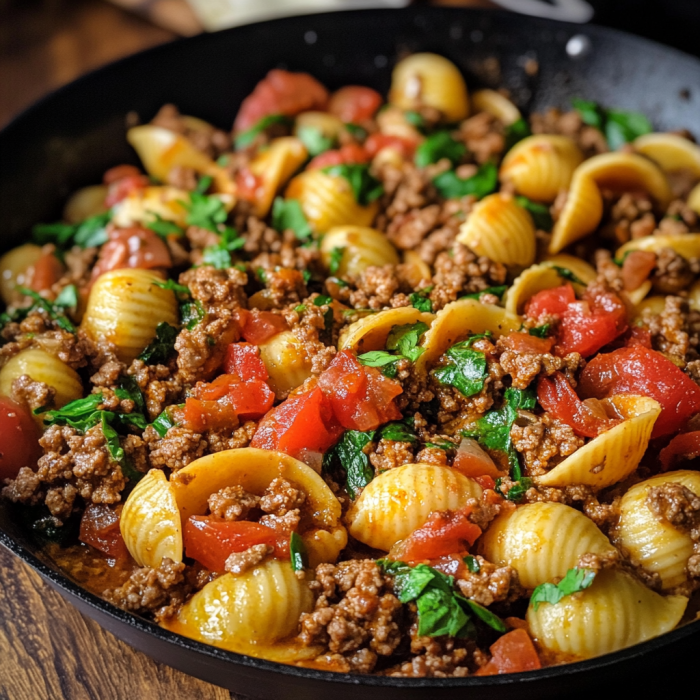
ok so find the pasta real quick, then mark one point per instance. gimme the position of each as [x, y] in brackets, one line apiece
[17, 268]
[286, 362]
[359, 248]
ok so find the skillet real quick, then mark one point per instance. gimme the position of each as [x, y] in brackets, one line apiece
[71, 137]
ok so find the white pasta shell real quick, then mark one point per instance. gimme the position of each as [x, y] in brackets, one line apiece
[429, 80]
[328, 201]
[687, 245]
[542, 541]
[636, 296]
[617, 611]
[361, 246]
[124, 308]
[460, 319]
[150, 521]
[247, 613]
[539, 167]
[501, 230]
[286, 361]
[84, 203]
[371, 332]
[614, 454]
[581, 214]
[531, 281]
[497, 105]
[670, 152]
[400, 500]
[17, 268]
[654, 544]
[324, 546]
[141, 206]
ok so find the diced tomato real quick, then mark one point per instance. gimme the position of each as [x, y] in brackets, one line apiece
[202, 415]
[377, 142]
[352, 153]
[553, 301]
[122, 181]
[636, 269]
[281, 92]
[362, 398]
[251, 399]
[19, 439]
[119, 172]
[526, 343]
[216, 389]
[485, 481]
[133, 247]
[99, 527]
[47, 271]
[514, 652]
[248, 184]
[638, 336]
[444, 532]
[558, 398]
[472, 461]
[354, 103]
[259, 326]
[243, 360]
[211, 541]
[641, 371]
[303, 422]
[683, 446]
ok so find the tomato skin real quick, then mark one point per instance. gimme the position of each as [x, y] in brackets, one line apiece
[133, 247]
[524, 342]
[251, 400]
[354, 103]
[512, 653]
[19, 439]
[636, 268]
[683, 446]
[639, 370]
[351, 153]
[248, 184]
[122, 180]
[99, 527]
[550, 301]
[202, 415]
[243, 360]
[259, 326]
[558, 398]
[377, 142]
[211, 541]
[281, 92]
[47, 271]
[119, 172]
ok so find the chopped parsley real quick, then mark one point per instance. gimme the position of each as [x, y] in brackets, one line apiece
[574, 581]
[619, 126]
[516, 132]
[539, 212]
[219, 255]
[191, 310]
[441, 445]
[297, 552]
[541, 331]
[314, 140]
[163, 423]
[246, 138]
[566, 274]
[288, 214]
[517, 491]
[204, 184]
[336, 258]
[350, 455]
[467, 369]
[451, 186]
[163, 227]
[54, 310]
[161, 348]
[90, 233]
[419, 300]
[472, 564]
[205, 211]
[403, 342]
[498, 291]
[365, 187]
[415, 119]
[400, 431]
[438, 146]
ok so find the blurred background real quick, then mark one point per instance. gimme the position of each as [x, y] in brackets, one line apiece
[46, 43]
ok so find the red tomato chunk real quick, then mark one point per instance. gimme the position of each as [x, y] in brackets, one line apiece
[354, 103]
[133, 247]
[243, 360]
[512, 653]
[351, 154]
[684, 446]
[19, 439]
[258, 327]
[99, 527]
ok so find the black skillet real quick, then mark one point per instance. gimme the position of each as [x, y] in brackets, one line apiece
[70, 138]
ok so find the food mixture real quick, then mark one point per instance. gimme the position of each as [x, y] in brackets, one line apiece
[403, 386]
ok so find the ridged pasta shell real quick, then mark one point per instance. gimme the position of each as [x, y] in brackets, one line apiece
[400, 500]
[581, 214]
[501, 230]
[542, 541]
[371, 332]
[254, 470]
[142, 205]
[531, 281]
[274, 166]
[247, 613]
[540, 166]
[44, 367]
[687, 245]
[362, 247]
[328, 201]
[124, 308]
[460, 319]
[17, 268]
[614, 454]
[84, 203]
[415, 269]
[656, 545]
[497, 105]
[392, 122]
[161, 149]
[323, 546]
[429, 80]
[694, 199]
[670, 152]
[617, 611]
[150, 521]
[286, 361]
[328, 124]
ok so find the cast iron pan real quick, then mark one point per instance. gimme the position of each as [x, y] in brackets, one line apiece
[70, 138]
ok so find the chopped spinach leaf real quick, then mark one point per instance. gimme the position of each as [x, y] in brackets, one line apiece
[472, 564]
[336, 258]
[467, 370]
[566, 274]
[204, 184]
[421, 302]
[381, 358]
[516, 132]
[485, 615]
[349, 452]
[163, 423]
[246, 138]
[541, 331]
[365, 186]
[517, 491]
[498, 291]
[297, 552]
[451, 186]
[129, 389]
[438, 146]
[314, 140]
[539, 212]
[87, 234]
[574, 581]
[323, 300]
[54, 311]
[441, 445]
[288, 214]
[161, 348]
[405, 339]
[73, 413]
[163, 227]
[398, 431]
[619, 126]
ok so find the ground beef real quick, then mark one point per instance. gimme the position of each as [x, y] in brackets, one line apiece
[376, 288]
[675, 331]
[523, 367]
[493, 584]
[176, 450]
[554, 121]
[673, 272]
[158, 386]
[631, 217]
[389, 454]
[241, 437]
[280, 497]
[432, 455]
[407, 230]
[240, 562]
[27, 392]
[204, 137]
[406, 188]
[675, 504]
[483, 135]
[435, 657]
[232, 503]
[598, 562]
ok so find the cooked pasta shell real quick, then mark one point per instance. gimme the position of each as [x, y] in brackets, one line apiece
[144, 205]
[44, 367]
[497, 105]
[124, 308]
[361, 247]
[581, 214]
[286, 361]
[392, 122]
[17, 268]
[324, 546]
[585, 272]
[274, 166]
[654, 544]
[460, 319]
[533, 280]
[670, 152]
[694, 199]
[254, 470]
[160, 150]
[539, 167]
[636, 296]
[617, 611]
[328, 201]
[542, 541]
[400, 500]
[693, 298]
[501, 230]
[687, 245]
[328, 124]
[86, 202]
[614, 454]
[655, 305]
[371, 332]
[415, 269]
[150, 521]
[248, 613]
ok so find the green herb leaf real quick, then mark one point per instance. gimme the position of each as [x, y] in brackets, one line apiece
[54, 311]
[245, 138]
[129, 389]
[398, 431]
[574, 581]
[288, 214]
[163, 227]
[441, 445]
[173, 286]
[204, 184]
[467, 370]
[405, 339]
[451, 186]
[380, 358]
[485, 615]
[421, 302]
[365, 186]
[219, 255]
[619, 126]
[541, 331]
[323, 300]
[472, 564]
[517, 491]
[314, 140]
[336, 259]
[498, 291]
[414, 119]
[539, 212]
[297, 551]
[73, 413]
[87, 234]
[358, 132]
[205, 211]
[112, 437]
[350, 453]
[192, 313]
[566, 274]
[163, 423]
[516, 132]
[438, 146]
[67, 298]
[161, 348]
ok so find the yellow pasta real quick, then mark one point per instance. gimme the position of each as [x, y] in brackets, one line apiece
[654, 305]
[614, 454]
[361, 247]
[694, 199]
[687, 245]
[655, 544]
[142, 206]
[17, 268]
[124, 308]
[585, 272]
[150, 521]
[371, 332]
[617, 611]
[497, 105]
[328, 124]
[429, 80]
[501, 230]
[400, 500]
[324, 545]
[415, 269]
[581, 214]
[539, 167]
[542, 541]
[533, 280]
[670, 152]
[392, 122]
[286, 361]
[86, 202]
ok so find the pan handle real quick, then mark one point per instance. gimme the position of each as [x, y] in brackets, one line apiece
[565, 10]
